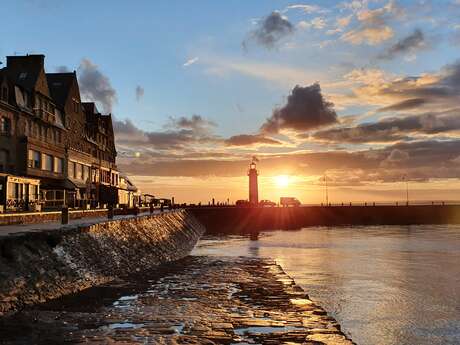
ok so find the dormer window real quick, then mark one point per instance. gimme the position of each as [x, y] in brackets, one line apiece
[22, 75]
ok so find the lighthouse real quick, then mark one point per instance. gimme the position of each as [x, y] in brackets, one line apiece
[253, 184]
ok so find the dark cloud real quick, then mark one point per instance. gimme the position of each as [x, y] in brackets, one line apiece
[127, 130]
[422, 93]
[179, 133]
[409, 44]
[305, 109]
[270, 30]
[196, 123]
[404, 105]
[422, 161]
[394, 129]
[249, 139]
[139, 92]
[95, 86]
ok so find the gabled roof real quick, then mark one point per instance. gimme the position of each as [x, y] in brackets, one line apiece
[90, 107]
[25, 70]
[59, 85]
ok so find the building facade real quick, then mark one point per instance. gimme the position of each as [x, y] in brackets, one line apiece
[48, 133]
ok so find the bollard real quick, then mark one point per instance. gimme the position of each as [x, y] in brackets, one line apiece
[110, 212]
[65, 215]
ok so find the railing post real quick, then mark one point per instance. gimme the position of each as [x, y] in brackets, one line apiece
[65, 215]
[110, 212]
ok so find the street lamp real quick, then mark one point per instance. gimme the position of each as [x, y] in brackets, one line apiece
[407, 188]
[327, 194]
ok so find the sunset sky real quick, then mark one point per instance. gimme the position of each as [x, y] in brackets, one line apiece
[366, 92]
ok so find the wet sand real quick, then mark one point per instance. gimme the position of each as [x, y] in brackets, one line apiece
[198, 300]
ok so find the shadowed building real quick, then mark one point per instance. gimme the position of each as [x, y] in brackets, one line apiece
[47, 133]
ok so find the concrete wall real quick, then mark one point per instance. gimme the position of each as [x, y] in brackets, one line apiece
[35, 267]
[237, 220]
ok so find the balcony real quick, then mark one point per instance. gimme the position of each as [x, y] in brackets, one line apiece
[45, 115]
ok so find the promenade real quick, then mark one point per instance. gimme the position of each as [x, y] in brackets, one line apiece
[6, 230]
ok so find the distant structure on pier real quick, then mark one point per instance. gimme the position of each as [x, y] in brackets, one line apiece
[253, 183]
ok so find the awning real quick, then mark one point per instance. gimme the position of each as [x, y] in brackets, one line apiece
[78, 183]
[48, 184]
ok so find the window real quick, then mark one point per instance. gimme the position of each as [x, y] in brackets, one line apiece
[86, 170]
[79, 171]
[58, 165]
[5, 93]
[71, 169]
[5, 126]
[95, 175]
[23, 75]
[33, 192]
[34, 159]
[4, 158]
[48, 161]
[76, 106]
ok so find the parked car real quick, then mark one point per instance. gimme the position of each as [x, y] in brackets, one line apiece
[289, 201]
[242, 203]
[268, 203]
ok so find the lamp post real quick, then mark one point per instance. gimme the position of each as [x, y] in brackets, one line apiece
[325, 185]
[407, 189]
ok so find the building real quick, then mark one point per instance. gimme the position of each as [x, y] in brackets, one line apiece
[48, 134]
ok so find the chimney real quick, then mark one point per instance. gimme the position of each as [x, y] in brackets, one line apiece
[25, 60]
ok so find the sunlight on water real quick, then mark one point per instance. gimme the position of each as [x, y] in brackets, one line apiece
[385, 285]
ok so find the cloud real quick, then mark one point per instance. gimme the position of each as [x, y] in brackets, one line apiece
[373, 25]
[408, 45]
[403, 105]
[395, 158]
[280, 75]
[139, 92]
[429, 91]
[270, 30]
[394, 129]
[190, 62]
[95, 86]
[304, 8]
[249, 139]
[305, 109]
[196, 123]
[178, 133]
[316, 23]
[419, 161]
[62, 69]
[371, 35]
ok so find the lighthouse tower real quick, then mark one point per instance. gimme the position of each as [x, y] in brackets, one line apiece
[253, 184]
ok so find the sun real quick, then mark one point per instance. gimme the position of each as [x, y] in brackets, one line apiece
[282, 181]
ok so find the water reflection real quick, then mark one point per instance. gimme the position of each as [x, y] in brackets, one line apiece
[385, 285]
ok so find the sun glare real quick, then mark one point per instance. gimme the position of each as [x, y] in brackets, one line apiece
[282, 180]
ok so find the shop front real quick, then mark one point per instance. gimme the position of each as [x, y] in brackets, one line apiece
[19, 193]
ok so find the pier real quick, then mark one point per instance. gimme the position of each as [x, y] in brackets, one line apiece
[244, 220]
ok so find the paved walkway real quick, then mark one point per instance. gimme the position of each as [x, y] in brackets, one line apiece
[6, 230]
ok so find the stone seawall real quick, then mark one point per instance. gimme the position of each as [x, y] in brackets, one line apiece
[38, 266]
[240, 220]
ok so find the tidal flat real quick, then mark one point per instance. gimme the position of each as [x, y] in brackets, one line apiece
[197, 300]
